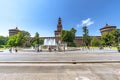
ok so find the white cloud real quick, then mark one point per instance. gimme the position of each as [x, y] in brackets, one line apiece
[86, 22]
[78, 25]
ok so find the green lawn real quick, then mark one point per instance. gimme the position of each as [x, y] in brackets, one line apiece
[1, 48]
[113, 48]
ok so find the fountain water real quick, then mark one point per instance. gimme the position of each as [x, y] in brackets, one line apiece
[49, 42]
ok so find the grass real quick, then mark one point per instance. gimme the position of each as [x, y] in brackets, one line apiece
[114, 48]
[1, 48]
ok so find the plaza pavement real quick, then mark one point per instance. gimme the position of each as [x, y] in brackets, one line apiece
[68, 56]
[82, 71]
[90, 65]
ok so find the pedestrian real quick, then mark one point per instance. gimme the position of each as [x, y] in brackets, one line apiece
[49, 49]
[10, 50]
[16, 50]
[55, 49]
[38, 49]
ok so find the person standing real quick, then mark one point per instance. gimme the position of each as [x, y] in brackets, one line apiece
[16, 50]
[10, 50]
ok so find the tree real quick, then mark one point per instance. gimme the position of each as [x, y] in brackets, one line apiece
[107, 39]
[3, 40]
[116, 34]
[95, 42]
[37, 40]
[20, 39]
[86, 37]
[68, 36]
[73, 31]
[23, 38]
[12, 41]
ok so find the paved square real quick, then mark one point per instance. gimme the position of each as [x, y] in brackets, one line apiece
[59, 66]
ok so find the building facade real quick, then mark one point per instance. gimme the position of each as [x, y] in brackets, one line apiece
[58, 31]
[13, 31]
[107, 28]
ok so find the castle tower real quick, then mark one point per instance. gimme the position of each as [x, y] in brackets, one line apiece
[59, 26]
[107, 28]
[13, 31]
[58, 31]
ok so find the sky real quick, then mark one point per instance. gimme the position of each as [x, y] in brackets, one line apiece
[42, 15]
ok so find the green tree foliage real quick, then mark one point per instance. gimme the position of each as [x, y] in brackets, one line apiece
[20, 39]
[116, 34]
[23, 38]
[37, 40]
[73, 31]
[86, 37]
[68, 36]
[95, 42]
[3, 40]
[111, 38]
[107, 39]
[12, 41]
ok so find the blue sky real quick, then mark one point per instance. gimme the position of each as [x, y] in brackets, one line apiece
[42, 15]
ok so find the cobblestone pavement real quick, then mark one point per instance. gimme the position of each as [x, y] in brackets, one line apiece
[60, 57]
[83, 71]
[40, 71]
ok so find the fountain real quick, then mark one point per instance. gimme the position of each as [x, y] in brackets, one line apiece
[51, 45]
[49, 42]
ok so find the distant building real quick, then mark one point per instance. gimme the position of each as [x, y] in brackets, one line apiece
[107, 28]
[13, 31]
[58, 31]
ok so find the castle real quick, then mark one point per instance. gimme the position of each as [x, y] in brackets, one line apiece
[78, 39]
[107, 28]
[13, 31]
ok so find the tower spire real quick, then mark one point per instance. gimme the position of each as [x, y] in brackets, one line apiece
[59, 25]
[59, 20]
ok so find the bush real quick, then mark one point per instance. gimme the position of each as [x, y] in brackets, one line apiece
[1, 46]
[78, 45]
[71, 44]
